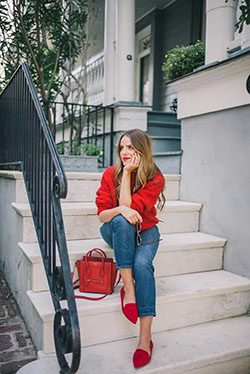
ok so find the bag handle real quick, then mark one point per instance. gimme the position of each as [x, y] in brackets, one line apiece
[98, 250]
[89, 253]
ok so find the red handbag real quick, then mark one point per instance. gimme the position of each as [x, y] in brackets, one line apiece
[97, 274]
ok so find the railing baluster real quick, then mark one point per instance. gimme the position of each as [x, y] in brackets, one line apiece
[88, 121]
[49, 215]
[96, 124]
[63, 127]
[46, 203]
[103, 136]
[42, 192]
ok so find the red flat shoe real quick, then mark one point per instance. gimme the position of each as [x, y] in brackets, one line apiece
[141, 357]
[129, 310]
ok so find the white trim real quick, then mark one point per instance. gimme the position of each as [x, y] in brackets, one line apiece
[139, 36]
[218, 88]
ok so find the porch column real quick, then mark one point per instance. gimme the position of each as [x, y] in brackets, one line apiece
[125, 50]
[109, 52]
[220, 26]
[119, 51]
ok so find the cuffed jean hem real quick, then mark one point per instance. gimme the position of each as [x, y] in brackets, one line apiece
[145, 312]
[123, 266]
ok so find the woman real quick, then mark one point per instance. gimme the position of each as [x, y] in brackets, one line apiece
[126, 206]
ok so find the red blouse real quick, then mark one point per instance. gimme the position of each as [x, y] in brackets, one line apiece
[143, 201]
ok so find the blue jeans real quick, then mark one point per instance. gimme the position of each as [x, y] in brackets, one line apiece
[121, 236]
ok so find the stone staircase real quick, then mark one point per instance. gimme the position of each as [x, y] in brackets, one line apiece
[202, 326]
[165, 131]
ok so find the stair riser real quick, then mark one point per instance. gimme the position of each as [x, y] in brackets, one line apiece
[87, 226]
[164, 131]
[169, 164]
[162, 145]
[85, 190]
[184, 262]
[162, 117]
[96, 329]
[165, 263]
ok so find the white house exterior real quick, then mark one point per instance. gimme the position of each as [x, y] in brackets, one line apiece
[203, 263]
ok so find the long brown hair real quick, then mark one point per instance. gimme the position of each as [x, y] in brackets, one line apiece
[147, 168]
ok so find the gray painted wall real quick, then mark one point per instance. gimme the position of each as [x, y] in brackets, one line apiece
[216, 172]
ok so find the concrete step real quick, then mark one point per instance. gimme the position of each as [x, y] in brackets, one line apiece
[182, 300]
[165, 143]
[81, 221]
[177, 254]
[82, 187]
[163, 117]
[219, 347]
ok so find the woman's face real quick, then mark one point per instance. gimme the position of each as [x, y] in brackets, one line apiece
[126, 150]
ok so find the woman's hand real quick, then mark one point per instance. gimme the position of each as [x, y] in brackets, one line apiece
[131, 215]
[133, 164]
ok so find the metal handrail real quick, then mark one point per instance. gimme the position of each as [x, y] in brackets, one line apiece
[25, 139]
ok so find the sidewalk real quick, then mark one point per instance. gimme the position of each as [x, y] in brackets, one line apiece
[16, 346]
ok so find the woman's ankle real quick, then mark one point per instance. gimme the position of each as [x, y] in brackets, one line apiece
[144, 343]
[129, 291]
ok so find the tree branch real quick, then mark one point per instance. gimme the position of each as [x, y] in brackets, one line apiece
[54, 71]
[37, 67]
[38, 30]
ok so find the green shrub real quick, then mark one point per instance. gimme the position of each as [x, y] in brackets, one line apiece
[62, 146]
[183, 60]
[78, 149]
[91, 150]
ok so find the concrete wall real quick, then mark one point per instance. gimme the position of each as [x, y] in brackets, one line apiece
[215, 171]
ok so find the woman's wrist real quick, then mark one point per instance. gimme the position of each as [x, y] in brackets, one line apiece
[126, 172]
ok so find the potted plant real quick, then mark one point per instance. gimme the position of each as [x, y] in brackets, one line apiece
[82, 157]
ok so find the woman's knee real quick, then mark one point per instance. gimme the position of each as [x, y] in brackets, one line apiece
[120, 221]
[106, 233]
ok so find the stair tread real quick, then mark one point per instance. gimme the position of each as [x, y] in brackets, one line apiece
[169, 289]
[155, 122]
[186, 349]
[78, 208]
[156, 137]
[170, 242]
[170, 153]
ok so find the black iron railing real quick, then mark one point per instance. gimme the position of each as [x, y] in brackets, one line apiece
[82, 129]
[25, 139]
